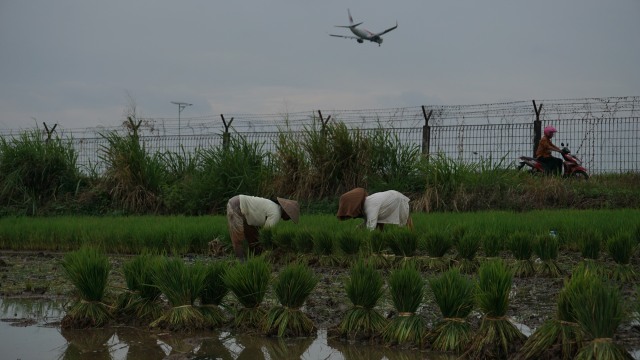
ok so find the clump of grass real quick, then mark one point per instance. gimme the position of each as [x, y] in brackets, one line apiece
[378, 241]
[364, 288]
[437, 245]
[454, 295]
[142, 300]
[248, 282]
[546, 248]
[492, 244]
[468, 246]
[520, 244]
[598, 309]
[88, 270]
[407, 290]
[213, 293]
[283, 239]
[403, 242]
[322, 243]
[497, 337]
[181, 284]
[292, 287]
[621, 247]
[266, 238]
[559, 334]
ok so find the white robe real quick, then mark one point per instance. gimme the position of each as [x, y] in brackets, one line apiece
[387, 207]
[259, 211]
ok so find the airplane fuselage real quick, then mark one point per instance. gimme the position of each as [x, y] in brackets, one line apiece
[365, 35]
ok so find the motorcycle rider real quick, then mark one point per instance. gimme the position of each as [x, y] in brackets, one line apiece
[543, 152]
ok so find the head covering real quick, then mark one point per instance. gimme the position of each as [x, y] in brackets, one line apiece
[352, 204]
[291, 207]
[549, 130]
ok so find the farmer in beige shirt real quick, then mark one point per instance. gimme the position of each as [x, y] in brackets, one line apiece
[247, 214]
[387, 207]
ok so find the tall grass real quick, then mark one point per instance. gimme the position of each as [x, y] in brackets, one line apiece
[35, 171]
[88, 270]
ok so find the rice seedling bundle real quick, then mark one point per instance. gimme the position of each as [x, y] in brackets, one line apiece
[497, 336]
[598, 308]
[292, 287]
[468, 246]
[322, 243]
[492, 244]
[88, 270]
[378, 241]
[364, 288]
[266, 238]
[349, 242]
[437, 245]
[181, 284]
[283, 239]
[520, 244]
[454, 295]
[621, 247]
[546, 248]
[560, 336]
[589, 243]
[407, 288]
[248, 281]
[303, 241]
[213, 293]
[403, 242]
[142, 300]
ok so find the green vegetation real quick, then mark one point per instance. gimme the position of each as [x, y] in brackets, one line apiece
[141, 301]
[248, 281]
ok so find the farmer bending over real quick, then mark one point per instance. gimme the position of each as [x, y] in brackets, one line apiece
[247, 214]
[387, 207]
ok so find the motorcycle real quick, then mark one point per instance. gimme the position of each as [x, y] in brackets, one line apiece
[571, 165]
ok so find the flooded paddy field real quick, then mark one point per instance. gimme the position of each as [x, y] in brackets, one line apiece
[34, 294]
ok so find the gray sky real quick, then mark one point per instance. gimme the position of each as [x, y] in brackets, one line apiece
[78, 63]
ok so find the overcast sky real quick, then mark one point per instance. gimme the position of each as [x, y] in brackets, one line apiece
[78, 63]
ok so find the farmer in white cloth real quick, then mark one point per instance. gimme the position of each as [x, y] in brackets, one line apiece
[387, 207]
[247, 214]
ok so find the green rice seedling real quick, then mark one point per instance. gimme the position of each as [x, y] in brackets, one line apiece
[364, 288]
[248, 281]
[598, 308]
[546, 248]
[621, 247]
[213, 293]
[589, 243]
[468, 246]
[457, 233]
[88, 270]
[142, 300]
[181, 284]
[349, 242]
[407, 290]
[303, 241]
[378, 241]
[292, 287]
[497, 337]
[559, 334]
[403, 242]
[437, 245]
[266, 238]
[520, 244]
[283, 239]
[454, 295]
[322, 243]
[492, 244]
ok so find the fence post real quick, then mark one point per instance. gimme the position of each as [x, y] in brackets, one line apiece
[49, 132]
[324, 123]
[426, 132]
[537, 127]
[226, 137]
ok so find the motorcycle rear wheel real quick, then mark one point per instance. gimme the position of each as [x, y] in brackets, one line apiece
[580, 175]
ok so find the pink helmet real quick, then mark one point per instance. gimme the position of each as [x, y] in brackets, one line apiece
[549, 130]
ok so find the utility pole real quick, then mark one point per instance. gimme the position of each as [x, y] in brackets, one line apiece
[181, 106]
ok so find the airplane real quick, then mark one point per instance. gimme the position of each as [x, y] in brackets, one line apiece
[362, 34]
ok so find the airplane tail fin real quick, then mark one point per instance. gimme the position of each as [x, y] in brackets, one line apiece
[351, 24]
[350, 18]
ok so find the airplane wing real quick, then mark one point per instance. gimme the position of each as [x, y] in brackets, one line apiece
[386, 31]
[345, 36]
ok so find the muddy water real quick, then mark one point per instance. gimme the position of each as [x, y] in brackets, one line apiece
[30, 330]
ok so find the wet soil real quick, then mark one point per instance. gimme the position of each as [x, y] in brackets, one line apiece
[532, 300]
